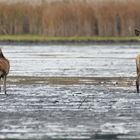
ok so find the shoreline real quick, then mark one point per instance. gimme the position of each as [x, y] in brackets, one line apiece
[40, 40]
[73, 42]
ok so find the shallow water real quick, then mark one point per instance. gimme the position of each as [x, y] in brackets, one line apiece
[93, 60]
[53, 93]
[78, 112]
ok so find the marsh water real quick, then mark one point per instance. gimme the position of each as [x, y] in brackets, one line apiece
[70, 92]
[72, 60]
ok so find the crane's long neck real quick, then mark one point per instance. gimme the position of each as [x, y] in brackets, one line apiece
[1, 54]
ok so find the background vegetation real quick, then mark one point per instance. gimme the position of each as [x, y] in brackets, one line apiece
[71, 18]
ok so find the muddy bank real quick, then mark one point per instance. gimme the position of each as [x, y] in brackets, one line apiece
[112, 81]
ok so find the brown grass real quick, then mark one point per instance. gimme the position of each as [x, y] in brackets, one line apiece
[73, 18]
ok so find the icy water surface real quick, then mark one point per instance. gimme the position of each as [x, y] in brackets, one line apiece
[71, 92]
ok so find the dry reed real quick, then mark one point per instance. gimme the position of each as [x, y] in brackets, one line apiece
[74, 18]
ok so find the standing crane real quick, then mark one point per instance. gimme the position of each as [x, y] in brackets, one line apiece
[4, 69]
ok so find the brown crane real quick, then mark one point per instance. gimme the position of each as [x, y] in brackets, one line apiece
[4, 69]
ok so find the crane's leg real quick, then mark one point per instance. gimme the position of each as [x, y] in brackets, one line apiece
[4, 83]
[137, 83]
[0, 84]
[137, 86]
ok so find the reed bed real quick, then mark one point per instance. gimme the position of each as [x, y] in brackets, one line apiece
[71, 18]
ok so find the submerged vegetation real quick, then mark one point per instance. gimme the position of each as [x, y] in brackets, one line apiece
[70, 18]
